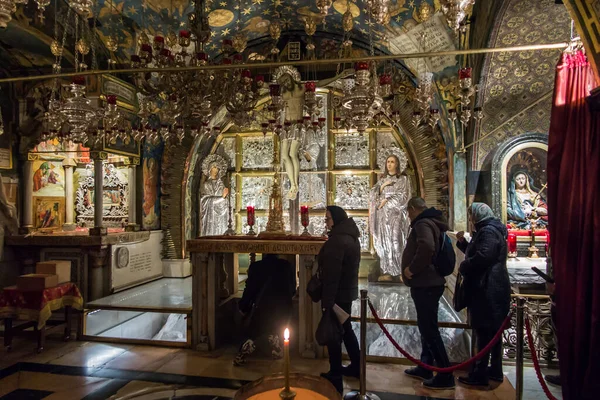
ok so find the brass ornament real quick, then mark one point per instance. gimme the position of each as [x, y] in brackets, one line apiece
[111, 44]
[310, 26]
[347, 21]
[56, 48]
[425, 11]
[82, 47]
[240, 41]
[275, 29]
[171, 39]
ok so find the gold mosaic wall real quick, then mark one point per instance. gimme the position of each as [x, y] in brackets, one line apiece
[517, 87]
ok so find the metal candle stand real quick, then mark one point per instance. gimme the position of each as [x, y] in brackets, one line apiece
[362, 393]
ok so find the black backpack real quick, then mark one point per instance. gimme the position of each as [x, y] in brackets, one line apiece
[445, 259]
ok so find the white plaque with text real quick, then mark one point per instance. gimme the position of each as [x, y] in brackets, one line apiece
[133, 263]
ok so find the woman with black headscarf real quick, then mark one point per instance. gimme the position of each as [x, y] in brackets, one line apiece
[487, 287]
[339, 260]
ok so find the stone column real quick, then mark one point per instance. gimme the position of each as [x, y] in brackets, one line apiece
[98, 229]
[27, 223]
[459, 192]
[132, 224]
[69, 164]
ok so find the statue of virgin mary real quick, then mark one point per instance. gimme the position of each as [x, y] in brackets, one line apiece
[213, 197]
[525, 203]
[388, 215]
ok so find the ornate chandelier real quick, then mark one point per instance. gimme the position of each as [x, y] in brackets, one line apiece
[455, 12]
[465, 92]
[424, 94]
[361, 100]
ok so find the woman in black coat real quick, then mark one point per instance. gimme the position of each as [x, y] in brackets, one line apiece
[487, 289]
[339, 260]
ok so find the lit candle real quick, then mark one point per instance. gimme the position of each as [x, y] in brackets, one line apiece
[286, 358]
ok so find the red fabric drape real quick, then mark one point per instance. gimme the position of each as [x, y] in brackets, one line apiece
[574, 223]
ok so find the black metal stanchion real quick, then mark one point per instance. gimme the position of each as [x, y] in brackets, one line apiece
[362, 393]
[520, 350]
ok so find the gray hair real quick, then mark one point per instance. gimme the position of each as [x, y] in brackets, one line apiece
[417, 203]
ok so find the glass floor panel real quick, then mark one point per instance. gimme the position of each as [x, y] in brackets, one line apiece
[167, 293]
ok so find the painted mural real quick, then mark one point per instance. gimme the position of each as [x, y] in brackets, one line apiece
[49, 212]
[48, 178]
[151, 177]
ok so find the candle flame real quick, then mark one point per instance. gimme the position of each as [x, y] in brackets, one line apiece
[286, 334]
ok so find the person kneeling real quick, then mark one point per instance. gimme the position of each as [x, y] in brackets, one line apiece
[266, 304]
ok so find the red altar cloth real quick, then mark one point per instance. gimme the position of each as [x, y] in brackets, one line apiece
[524, 232]
[38, 306]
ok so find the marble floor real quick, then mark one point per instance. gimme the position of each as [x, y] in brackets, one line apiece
[90, 370]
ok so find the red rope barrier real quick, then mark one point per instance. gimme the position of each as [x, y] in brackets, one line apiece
[431, 367]
[536, 362]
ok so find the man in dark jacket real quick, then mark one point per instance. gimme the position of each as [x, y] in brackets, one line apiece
[339, 260]
[266, 304]
[426, 288]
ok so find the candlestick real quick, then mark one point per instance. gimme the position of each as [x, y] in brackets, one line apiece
[230, 231]
[533, 251]
[250, 219]
[512, 245]
[304, 220]
[286, 393]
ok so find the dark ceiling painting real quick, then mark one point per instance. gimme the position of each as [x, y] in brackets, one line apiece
[25, 43]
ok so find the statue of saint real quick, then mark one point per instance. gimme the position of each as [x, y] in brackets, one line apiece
[213, 197]
[388, 215]
[525, 204]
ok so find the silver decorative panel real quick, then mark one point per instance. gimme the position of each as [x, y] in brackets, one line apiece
[257, 152]
[227, 149]
[256, 191]
[313, 190]
[316, 225]
[351, 151]
[363, 226]
[352, 191]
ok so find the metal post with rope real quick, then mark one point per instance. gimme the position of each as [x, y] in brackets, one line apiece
[362, 393]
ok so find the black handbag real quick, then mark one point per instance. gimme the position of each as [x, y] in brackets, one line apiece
[314, 288]
[329, 329]
[460, 299]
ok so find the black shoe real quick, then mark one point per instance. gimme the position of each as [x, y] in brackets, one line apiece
[473, 381]
[419, 373]
[553, 379]
[351, 371]
[440, 382]
[336, 380]
[495, 377]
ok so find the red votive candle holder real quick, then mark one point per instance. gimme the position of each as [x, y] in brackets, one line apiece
[246, 73]
[304, 215]
[111, 99]
[250, 215]
[227, 61]
[465, 73]
[201, 56]
[78, 80]
[147, 48]
[184, 34]
[310, 86]
[361, 65]
[385, 79]
[512, 243]
[259, 78]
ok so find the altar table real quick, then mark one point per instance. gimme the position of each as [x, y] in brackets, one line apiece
[36, 307]
[215, 280]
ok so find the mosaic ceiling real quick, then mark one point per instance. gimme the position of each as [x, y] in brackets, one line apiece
[123, 20]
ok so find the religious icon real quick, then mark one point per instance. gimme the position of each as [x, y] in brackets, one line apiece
[213, 197]
[48, 178]
[526, 204]
[49, 212]
[388, 215]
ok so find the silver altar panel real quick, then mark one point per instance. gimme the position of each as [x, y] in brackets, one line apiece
[351, 150]
[316, 225]
[312, 189]
[394, 302]
[257, 152]
[256, 191]
[352, 191]
[170, 293]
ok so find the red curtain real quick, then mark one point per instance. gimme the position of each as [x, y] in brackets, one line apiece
[574, 222]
